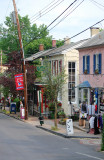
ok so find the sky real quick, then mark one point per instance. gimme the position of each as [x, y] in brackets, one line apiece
[81, 15]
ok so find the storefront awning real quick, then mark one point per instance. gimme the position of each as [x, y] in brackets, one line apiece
[85, 84]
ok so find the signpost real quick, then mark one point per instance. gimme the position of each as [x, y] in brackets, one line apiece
[69, 126]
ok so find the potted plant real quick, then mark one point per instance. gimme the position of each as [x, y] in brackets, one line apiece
[61, 114]
[85, 71]
[59, 104]
[96, 71]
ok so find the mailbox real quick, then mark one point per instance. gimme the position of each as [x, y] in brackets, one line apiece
[13, 107]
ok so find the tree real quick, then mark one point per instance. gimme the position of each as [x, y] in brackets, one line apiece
[32, 36]
[15, 67]
[53, 84]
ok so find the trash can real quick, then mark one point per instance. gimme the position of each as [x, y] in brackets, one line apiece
[13, 107]
[22, 113]
[41, 120]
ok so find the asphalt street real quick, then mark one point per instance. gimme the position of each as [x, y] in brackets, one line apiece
[22, 141]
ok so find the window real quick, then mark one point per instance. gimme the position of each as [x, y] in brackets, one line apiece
[86, 64]
[56, 67]
[71, 81]
[60, 66]
[97, 63]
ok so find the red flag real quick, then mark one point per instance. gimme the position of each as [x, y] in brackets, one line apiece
[19, 81]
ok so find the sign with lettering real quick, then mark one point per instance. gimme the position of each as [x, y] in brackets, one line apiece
[19, 81]
[69, 126]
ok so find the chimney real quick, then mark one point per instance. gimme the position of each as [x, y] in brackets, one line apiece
[94, 31]
[53, 43]
[67, 40]
[41, 47]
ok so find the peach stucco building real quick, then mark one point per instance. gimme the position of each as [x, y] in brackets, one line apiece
[91, 70]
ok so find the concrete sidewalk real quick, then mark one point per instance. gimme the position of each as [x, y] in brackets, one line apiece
[79, 131]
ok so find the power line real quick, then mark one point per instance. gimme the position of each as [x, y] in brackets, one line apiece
[97, 4]
[37, 17]
[53, 21]
[61, 14]
[78, 34]
[42, 9]
[66, 15]
[87, 28]
[7, 8]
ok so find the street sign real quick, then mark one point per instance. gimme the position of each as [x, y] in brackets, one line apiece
[19, 81]
[69, 126]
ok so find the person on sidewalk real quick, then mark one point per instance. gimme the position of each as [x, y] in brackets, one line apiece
[91, 110]
[91, 113]
[84, 113]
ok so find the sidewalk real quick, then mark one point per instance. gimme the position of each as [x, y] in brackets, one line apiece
[79, 131]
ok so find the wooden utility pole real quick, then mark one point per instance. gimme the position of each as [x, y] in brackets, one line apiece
[1, 61]
[22, 55]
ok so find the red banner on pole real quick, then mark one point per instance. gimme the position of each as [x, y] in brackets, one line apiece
[19, 81]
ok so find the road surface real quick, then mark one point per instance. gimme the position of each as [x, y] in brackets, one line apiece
[22, 141]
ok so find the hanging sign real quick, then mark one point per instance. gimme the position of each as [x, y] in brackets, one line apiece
[19, 81]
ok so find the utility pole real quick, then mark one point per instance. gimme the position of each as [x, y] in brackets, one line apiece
[22, 55]
[1, 61]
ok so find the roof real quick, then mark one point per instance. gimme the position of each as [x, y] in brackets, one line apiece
[94, 41]
[56, 51]
[85, 84]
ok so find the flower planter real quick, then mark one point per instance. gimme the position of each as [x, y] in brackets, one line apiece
[85, 72]
[96, 72]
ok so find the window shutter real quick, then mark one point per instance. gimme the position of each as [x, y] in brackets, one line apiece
[94, 63]
[83, 64]
[88, 64]
[100, 63]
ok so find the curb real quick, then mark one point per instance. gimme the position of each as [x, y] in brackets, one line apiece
[63, 135]
[53, 132]
[12, 116]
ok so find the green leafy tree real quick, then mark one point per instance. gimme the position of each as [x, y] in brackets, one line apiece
[32, 36]
[53, 84]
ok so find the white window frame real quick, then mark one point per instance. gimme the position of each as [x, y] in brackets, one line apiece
[71, 82]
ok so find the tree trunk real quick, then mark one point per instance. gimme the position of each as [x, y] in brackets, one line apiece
[4, 104]
[55, 121]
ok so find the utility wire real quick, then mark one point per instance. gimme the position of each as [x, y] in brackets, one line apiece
[53, 21]
[97, 4]
[7, 8]
[41, 10]
[87, 28]
[36, 18]
[61, 14]
[77, 35]
[66, 15]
